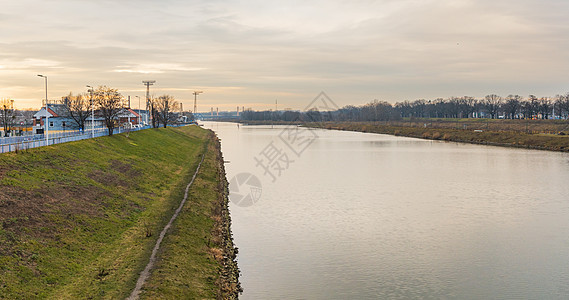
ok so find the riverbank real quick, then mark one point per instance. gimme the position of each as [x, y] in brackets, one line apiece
[186, 264]
[265, 122]
[550, 142]
[79, 220]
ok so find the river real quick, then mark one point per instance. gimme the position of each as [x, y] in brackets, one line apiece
[346, 215]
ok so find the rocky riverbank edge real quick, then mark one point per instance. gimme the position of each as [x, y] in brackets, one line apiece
[228, 282]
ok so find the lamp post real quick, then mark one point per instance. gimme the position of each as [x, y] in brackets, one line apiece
[92, 112]
[138, 110]
[46, 124]
[149, 105]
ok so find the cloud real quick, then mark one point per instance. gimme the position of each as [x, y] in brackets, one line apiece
[363, 49]
[154, 68]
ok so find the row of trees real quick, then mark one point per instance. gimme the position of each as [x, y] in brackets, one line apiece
[374, 111]
[510, 107]
[7, 114]
[288, 116]
[109, 104]
[491, 106]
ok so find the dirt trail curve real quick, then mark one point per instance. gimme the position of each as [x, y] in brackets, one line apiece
[146, 272]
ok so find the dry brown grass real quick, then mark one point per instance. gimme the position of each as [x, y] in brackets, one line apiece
[499, 137]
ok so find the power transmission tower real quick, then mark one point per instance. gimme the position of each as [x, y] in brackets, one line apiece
[148, 83]
[196, 93]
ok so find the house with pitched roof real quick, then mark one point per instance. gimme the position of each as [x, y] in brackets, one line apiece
[57, 121]
[129, 116]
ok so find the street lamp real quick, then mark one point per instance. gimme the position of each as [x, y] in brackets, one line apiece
[46, 112]
[92, 112]
[138, 109]
[149, 105]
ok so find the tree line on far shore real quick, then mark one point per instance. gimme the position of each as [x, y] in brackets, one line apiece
[491, 106]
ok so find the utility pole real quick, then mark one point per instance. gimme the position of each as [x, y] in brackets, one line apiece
[138, 110]
[196, 93]
[148, 83]
[46, 125]
[92, 112]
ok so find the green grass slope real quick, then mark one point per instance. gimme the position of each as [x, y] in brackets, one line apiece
[199, 242]
[79, 220]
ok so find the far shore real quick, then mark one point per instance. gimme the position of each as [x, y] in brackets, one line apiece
[551, 135]
[504, 138]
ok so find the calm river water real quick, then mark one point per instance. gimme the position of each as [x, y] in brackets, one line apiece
[367, 216]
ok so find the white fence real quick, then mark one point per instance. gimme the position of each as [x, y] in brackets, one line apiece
[16, 143]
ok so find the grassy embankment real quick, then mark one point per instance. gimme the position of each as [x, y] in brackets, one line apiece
[498, 132]
[183, 259]
[79, 220]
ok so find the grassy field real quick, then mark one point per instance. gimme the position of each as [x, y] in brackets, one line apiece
[79, 220]
[499, 137]
[515, 125]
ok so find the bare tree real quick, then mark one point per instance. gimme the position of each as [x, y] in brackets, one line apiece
[110, 104]
[77, 108]
[164, 107]
[530, 107]
[492, 103]
[563, 105]
[467, 106]
[8, 114]
[512, 105]
[544, 107]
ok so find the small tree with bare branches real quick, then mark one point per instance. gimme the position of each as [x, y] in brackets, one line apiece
[110, 104]
[164, 107]
[77, 109]
[492, 103]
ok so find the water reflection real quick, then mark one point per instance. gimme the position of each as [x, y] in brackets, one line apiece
[366, 216]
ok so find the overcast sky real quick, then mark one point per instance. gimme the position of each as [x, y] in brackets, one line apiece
[249, 53]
